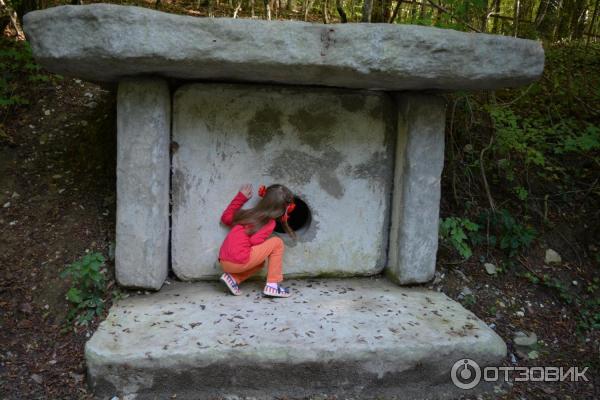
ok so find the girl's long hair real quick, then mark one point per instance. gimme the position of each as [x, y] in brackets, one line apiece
[272, 206]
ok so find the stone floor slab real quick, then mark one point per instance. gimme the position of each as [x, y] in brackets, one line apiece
[355, 337]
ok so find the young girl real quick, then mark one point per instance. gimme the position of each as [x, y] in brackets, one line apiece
[247, 245]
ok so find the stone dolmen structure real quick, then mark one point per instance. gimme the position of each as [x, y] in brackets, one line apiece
[347, 116]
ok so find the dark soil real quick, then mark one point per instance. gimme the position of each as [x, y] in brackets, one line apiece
[57, 193]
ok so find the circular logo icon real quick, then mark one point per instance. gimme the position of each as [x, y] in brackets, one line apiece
[465, 374]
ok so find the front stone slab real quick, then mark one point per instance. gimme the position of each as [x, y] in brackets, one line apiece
[357, 337]
[332, 147]
[142, 233]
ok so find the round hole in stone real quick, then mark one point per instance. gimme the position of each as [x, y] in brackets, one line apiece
[299, 219]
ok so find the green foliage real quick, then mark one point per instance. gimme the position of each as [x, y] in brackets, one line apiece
[454, 230]
[469, 300]
[559, 286]
[17, 65]
[88, 287]
[589, 315]
[521, 135]
[505, 232]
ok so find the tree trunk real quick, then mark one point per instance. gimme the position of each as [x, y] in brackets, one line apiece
[517, 5]
[267, 9]
[484, 17]
[325, 12]
[422, 10]
[413, 11]
[380, 10]
[496, 13]
[396, 11]
[309, 4]
[367, 10]
[577, 25]
[339, 4]
[13, 19]
[557, 24]
[541, 13]
[237, 9]
[591, 30]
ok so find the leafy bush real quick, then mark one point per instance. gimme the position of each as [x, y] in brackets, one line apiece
[455, 230]
[506, 232]
[88, 287]
[18, 68]
[589, 315]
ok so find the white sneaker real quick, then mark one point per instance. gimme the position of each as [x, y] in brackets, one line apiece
[276, 291]
[231, 284]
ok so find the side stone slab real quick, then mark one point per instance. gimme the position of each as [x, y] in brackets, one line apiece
[143, 132]
[416, 198]
[104, 42]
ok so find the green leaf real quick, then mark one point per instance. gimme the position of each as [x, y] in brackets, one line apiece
[74, 295]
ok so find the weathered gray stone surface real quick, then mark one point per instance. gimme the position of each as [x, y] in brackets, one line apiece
[359, 338]
[142, 233]
[103, 42]
[332, 147]
[416, 198]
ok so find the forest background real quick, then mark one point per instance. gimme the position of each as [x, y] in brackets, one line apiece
[520, 217]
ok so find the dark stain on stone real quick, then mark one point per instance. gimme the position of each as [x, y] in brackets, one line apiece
[298, 168]
[377, 111]
[314, 127]
[179, 189]
[331, 184]
[352, 102]
[390, 118]
[375, 168]
[206, 114]
[263, 127]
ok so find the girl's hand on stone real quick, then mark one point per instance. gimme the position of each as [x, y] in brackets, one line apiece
[246, 190]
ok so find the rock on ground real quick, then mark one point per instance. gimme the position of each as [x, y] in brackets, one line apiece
[552, 257]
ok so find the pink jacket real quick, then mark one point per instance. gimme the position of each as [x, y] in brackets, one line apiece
[236, 246]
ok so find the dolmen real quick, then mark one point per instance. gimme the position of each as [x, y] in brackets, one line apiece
[350, 117]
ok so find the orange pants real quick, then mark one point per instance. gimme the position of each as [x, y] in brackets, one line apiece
[272, 249]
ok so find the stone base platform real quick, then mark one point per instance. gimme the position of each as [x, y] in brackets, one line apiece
[355, 338]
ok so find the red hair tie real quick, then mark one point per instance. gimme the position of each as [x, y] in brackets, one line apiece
[291, 207]
[262, 190]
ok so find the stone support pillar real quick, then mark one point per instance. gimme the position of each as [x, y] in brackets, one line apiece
[416, 196]
[143, 136]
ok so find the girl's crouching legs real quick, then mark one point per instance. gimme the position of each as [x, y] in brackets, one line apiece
[275, 271]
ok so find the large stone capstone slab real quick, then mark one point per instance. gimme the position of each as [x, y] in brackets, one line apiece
[332, 147]
[360, 338]
[105, 42]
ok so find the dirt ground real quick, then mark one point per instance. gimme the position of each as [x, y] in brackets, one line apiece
[57, 202]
